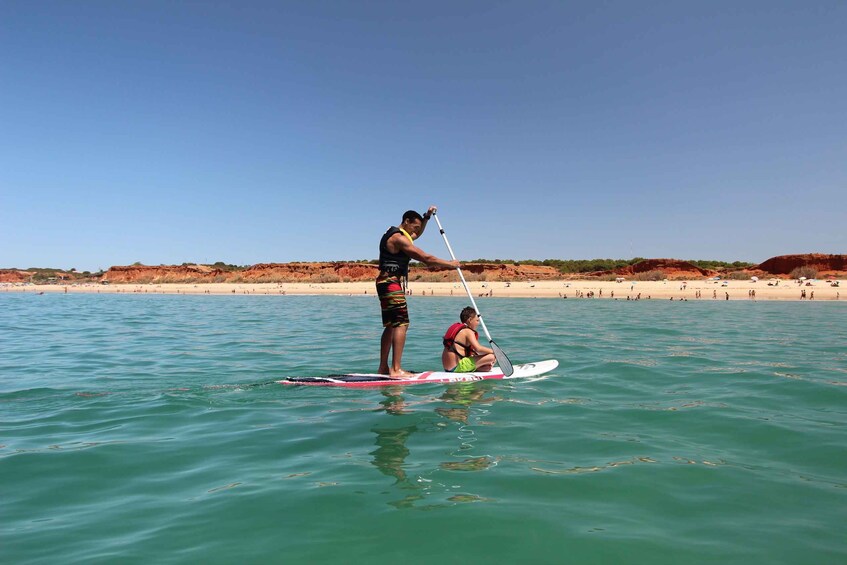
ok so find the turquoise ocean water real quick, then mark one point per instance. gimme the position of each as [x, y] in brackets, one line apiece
[148, 429]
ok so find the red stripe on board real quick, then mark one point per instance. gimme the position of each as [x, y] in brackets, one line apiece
[418, 379]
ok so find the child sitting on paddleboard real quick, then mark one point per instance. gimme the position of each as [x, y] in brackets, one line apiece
[462, 351]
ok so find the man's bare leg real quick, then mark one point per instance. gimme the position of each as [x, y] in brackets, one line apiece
[392, 339]
[384, 350]
[398, 342]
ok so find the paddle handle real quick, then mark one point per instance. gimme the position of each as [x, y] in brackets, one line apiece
[462, 277]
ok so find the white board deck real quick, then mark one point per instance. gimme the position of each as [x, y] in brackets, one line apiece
[370, 380]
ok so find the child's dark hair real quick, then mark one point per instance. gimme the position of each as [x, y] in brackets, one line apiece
[467, 313]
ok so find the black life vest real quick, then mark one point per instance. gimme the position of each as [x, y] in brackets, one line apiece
[392, 263]
[449, 339]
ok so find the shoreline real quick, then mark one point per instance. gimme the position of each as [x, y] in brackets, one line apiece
[570, 289]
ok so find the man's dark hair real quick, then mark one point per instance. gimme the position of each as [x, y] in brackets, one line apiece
[412, 215]
[467, 313]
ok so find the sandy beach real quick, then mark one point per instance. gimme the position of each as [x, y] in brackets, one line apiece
[564, 289]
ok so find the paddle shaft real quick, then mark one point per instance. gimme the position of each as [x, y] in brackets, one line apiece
[462, 278]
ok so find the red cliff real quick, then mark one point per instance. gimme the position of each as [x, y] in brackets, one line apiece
[163, 274]
[826, 265]
[318, 273]
[14, 276]
[672, 269]
[307, 272]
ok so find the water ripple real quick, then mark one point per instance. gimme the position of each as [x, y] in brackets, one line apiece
[150, 429]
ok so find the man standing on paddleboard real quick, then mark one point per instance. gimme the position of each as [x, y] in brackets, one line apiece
[396, 249]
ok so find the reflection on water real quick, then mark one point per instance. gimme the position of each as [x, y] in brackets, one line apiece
[392, 451]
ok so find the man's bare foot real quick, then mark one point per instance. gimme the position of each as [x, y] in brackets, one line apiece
[401, 374]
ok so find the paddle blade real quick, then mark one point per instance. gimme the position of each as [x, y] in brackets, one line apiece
[502, 359]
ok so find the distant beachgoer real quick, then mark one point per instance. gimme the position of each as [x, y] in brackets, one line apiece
[396, 249]
[727, 296]
[462, 351]
[714, 294]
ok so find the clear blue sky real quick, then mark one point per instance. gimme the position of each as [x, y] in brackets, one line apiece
[248, 132]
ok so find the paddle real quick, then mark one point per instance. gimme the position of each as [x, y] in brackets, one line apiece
[502, 359]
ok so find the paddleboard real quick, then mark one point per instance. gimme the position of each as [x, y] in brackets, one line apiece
[367, 380]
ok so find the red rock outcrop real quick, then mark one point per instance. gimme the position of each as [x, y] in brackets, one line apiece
[328, 272]
[309, 272]
[488, 272]
[14, 276]
[162, 274]
[672, 269]
[318, 273]
[826, 265]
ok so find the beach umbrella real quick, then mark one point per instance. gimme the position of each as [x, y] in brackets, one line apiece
[754, 279]
[802, 278]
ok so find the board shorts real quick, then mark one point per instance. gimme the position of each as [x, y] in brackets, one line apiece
[392, 301]
[466, 365]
